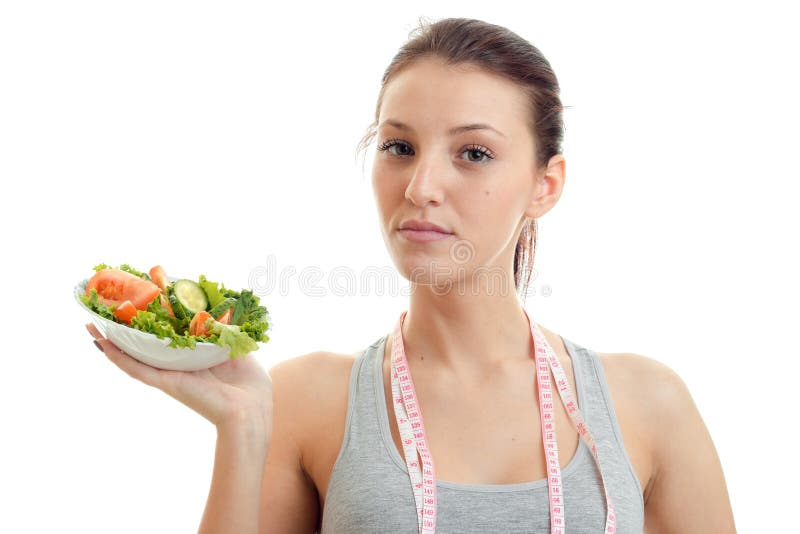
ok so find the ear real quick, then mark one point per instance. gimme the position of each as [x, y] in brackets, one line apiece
[548, 185]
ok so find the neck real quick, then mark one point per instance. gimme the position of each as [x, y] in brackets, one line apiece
[466, 336]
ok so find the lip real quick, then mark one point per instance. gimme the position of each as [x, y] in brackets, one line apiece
[422, 236]
[416, 224]
[422, 231]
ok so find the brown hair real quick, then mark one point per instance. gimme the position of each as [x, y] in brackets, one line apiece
[499, 51]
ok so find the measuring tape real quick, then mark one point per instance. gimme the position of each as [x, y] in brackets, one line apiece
[412, 432]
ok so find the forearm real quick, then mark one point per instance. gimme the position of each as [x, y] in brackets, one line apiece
[233, 500]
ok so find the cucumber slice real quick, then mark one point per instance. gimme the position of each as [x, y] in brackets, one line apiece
[190, 295]
[177, 308]
[222, 307]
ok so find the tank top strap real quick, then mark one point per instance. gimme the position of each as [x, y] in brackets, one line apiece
[598, 410]
[362, 424]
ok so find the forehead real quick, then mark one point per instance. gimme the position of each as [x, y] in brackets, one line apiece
[432, 95]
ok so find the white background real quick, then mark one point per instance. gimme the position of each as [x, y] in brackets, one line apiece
[219, 137]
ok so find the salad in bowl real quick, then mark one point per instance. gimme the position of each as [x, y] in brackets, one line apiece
[179, 324]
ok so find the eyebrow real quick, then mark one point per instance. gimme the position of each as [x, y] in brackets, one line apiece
[452, 131]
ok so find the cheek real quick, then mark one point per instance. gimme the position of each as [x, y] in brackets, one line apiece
[492, 211]
[388, 193]
[492, 203]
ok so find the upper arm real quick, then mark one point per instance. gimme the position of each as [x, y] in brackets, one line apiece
[688, 491]
[289, 499]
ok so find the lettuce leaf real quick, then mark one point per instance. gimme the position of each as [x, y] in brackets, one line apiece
[251, 316]
[124, 267]
[231, 335]
[92, 301]
[128, 269]
[147, 321]
[212, 291]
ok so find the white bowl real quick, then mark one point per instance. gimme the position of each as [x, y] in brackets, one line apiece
[149, 349]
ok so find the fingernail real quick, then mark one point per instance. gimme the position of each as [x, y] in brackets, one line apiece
[99, 346]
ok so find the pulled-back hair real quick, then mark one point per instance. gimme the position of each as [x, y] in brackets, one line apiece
[499, 51]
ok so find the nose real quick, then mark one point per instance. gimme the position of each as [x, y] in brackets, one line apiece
[426, 185]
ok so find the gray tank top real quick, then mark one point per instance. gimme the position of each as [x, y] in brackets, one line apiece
[370, 491]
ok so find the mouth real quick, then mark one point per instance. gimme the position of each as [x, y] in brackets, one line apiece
[419, 231]
[422, 236]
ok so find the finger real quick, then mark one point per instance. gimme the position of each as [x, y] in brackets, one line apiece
[133, 367]
[94, 331]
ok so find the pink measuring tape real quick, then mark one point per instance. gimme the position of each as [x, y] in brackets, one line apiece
[412, 432]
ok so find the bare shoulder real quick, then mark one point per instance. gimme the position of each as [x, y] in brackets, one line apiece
[651, 381]
[303, 394]
[648, 389]
[687, 490]
[314, 368]
[313, 389]
[644, 392]
[655, 390]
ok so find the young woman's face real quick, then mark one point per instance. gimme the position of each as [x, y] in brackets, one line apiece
[477, 184]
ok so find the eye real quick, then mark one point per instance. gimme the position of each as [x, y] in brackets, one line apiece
[482, 153]
[389, 143]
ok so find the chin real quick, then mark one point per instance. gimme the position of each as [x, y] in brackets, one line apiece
[428, 271]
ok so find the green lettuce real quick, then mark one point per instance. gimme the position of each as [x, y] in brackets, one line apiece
[92, 301]
[157, 321]
[231, 335]
[212, 291]
[128, 269]
[251, 316]
[147, 321]
[124, 267]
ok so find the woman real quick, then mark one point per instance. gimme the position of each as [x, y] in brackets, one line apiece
[469, 129]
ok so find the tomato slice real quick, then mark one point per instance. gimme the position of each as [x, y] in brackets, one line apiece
[125, 312]
[225, 318]
[198, 325]
[115, 287]
[159, 277]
